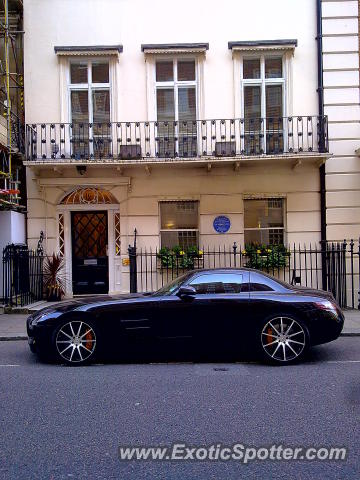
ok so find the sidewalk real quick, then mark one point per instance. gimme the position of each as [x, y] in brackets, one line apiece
[12, 327]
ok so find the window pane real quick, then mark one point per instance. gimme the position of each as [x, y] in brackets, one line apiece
[164, 71]
[274, 101]
[177, 215]
[187, 104]
[187, 124]
[80, 121]
[273, 236]
[253, 142]
[183, 239]
[165, 145]
[79, 106]
[266, 212]
[78, 72]
[186, 70]
[219, 283]
[251, 68]
[165, 104]
[101, 116]
[252, 102]
[101, 106]
[274, 124]
[100, 72]
[273, 67]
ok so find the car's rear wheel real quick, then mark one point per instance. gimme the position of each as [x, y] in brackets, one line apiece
[76, 342]
[283, 340]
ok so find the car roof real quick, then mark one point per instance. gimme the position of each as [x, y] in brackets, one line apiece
[225, 270]
[281, 283]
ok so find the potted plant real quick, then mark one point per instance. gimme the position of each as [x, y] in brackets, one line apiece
[54, 277]
[177, 257]
[266, 257]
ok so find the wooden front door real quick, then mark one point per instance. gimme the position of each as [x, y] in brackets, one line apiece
[90, 266]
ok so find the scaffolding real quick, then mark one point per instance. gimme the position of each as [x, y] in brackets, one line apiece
[12, 145]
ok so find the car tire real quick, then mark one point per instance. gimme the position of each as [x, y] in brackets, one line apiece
[283, 339]
[75, 342]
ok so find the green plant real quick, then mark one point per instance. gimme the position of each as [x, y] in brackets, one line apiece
[54, 275]
[176, 257]
[266, 257]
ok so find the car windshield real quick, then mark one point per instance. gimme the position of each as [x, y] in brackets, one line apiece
[172, 286]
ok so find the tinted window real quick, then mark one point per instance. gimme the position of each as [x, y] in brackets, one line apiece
[262, 283]
[259, 287]
[220, 283]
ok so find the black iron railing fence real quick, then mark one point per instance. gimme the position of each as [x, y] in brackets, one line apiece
[176, 139]
[301, 265]
[22, 275]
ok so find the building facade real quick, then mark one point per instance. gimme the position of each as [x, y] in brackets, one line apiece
[340, 25]
[195, 126]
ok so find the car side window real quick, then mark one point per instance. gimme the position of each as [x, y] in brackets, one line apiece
[259, 287]
[260, 283]
[220, 283]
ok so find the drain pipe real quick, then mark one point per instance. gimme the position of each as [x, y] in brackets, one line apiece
[320, 91]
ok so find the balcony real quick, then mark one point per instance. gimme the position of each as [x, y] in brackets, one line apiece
[218, 140]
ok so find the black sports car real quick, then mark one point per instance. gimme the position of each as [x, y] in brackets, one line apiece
[219, 308]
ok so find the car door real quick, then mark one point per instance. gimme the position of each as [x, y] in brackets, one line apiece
[174, 317]
[221, 305]
[128, 319]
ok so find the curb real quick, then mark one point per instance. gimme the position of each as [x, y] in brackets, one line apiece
[350, 334]
[13, 338]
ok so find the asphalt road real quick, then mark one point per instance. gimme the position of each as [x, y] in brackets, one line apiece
[61, 422]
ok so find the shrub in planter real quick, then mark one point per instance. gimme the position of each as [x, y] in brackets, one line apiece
[177, 257]
[54, 277]
[266, 257]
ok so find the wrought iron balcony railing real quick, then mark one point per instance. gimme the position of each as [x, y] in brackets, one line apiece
[137, 141]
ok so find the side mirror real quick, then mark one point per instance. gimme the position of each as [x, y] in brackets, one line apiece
[187, 291]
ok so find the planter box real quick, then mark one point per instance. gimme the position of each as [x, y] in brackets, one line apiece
[198, 263]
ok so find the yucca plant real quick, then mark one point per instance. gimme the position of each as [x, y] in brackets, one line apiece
[54, 277]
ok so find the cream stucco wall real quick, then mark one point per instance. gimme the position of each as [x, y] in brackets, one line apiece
[131, 23]
[220, 191]
[342, 105]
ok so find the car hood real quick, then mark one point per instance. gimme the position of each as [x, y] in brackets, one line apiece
[77, 303]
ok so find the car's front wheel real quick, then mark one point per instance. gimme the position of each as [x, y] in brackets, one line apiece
[283, 340]
[75, 342]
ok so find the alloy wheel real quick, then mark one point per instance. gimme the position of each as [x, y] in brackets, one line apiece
[283, 339]
[75, 342]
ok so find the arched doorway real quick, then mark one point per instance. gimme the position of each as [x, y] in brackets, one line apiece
[88, 218]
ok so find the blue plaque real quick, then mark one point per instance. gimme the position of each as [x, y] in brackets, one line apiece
[222, 224]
